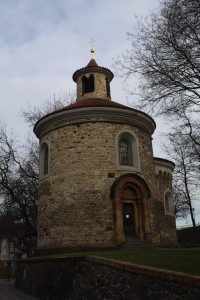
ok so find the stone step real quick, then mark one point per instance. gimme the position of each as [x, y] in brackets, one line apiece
[135, 245]
[132, 242]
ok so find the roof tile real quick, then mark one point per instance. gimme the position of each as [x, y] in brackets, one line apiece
[92, 63]
[94, 102]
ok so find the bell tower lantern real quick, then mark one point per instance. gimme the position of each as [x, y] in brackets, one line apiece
[93, 81]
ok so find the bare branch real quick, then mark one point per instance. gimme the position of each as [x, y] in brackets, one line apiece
[33, 113]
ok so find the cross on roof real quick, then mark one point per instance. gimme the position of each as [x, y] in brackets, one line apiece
[92, 50]
[92, 41]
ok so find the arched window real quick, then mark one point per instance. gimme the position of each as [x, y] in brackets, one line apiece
[125, 152]
[87, 84]
[168, 203]
[107, 87]
[84, 84]
[44, 159]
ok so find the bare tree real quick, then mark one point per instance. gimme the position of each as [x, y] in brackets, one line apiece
[165, 54]
[18, 192]
[185, 179]
[19, 172]
[32, 114]
[181, 208]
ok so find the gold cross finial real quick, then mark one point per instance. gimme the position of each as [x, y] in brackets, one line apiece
[92, 50]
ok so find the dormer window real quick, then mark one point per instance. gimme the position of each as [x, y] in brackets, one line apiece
[87, 84]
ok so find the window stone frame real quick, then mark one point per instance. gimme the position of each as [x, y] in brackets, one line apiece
[44, 145]
[170, 204]
[127, 134]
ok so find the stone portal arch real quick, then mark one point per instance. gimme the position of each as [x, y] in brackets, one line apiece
[130, 194]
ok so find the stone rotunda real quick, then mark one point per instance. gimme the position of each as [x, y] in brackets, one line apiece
[99, 183]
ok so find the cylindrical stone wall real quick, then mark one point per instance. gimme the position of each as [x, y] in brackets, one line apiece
[75, 208]
[100, 90]
[165, 220]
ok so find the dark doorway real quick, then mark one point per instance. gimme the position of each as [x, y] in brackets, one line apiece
[128, 218]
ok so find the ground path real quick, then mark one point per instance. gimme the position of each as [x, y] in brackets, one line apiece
[9, 292]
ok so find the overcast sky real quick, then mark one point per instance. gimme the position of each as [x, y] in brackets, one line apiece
[42, 43]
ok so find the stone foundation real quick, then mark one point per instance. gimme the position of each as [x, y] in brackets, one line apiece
[97, 278]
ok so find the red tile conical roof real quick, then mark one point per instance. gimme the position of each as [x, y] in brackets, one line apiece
[92, 63]
[95, 102]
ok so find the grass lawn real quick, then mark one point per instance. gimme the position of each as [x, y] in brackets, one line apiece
[185, 260]
[180, 260]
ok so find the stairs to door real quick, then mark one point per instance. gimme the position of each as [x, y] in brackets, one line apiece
[132, 242]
